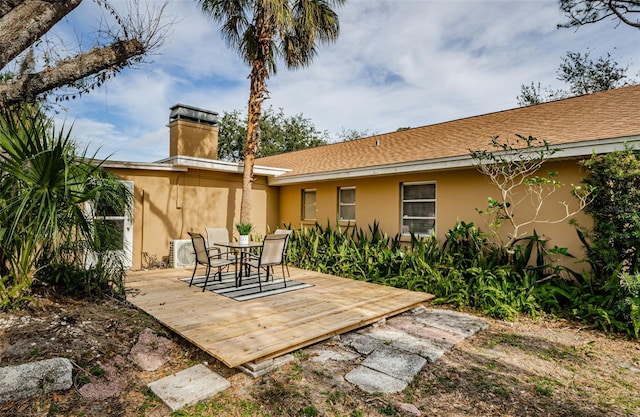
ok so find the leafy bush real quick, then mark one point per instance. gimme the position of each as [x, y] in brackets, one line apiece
[615, 238]
[468, 270]
[45, 188]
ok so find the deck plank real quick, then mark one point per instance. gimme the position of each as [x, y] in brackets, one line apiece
[240, 332]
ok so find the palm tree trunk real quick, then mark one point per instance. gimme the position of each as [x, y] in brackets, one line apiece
[257, 94]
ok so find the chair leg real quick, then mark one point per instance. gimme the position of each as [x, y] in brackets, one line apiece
[204, 287]
[194, 274]
[260, 279]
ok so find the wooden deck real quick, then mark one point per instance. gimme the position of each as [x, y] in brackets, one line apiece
[241, 332]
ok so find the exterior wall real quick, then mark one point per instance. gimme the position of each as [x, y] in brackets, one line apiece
[167, 205]
[458, 194]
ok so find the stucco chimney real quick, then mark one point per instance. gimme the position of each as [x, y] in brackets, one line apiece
[193, 132]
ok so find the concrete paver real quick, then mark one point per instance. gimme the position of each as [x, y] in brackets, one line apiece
[188, 387]
[394, 352]
[461, 323]
[394, 362]
[400, 347]
[372, 381]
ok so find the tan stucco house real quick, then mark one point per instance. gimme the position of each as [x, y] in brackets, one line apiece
[421, 178]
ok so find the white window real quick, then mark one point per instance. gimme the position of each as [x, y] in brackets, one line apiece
[419, 208]
[308, 204]
[347, 203]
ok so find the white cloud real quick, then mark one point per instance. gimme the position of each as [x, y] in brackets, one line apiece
[396, 63]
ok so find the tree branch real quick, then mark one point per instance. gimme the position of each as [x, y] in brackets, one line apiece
[24, 22]
[108, 58]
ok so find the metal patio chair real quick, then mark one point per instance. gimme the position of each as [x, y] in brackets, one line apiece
[203, 257]
[218, 234]
[284, 251]
[272, 254]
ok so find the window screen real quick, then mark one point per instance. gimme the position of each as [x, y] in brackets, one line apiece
[347, 203]
[308, 204]
[419, 208]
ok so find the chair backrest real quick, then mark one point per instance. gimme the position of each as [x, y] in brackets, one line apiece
[199, 248]
[272, 249]
[286, 232]
[216, 234]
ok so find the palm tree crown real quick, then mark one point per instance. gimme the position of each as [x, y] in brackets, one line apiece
[264, 31]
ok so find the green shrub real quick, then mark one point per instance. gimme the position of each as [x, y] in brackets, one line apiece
[469, 270]
[45, 186]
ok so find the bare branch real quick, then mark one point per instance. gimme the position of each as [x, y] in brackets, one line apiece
[28, 21]
[513, 170]
[123, 39]
[583, 12]
[109, 58]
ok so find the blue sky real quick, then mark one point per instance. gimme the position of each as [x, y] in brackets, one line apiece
[397, 63]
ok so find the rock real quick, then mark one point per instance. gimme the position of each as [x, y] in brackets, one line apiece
[27, 380]
[151, 351]
[409, 409]
[111, 385]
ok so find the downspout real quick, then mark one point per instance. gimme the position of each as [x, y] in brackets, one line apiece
[142, 229]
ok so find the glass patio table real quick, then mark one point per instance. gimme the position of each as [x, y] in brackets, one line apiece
[245, 255]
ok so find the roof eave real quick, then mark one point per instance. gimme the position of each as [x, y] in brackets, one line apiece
[220, 166]
[567, 150]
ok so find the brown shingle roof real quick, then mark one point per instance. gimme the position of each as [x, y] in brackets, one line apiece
[605, 115]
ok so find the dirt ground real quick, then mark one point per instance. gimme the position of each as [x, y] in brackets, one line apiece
[526, 368]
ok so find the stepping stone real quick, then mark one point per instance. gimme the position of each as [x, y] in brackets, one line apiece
[361, 342]
[323, 355]
[372, 381]
[460, 323]
[422, 330]
[188, 387]
[396, 363]
[426, 347]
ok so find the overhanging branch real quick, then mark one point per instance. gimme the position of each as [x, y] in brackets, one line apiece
[24, 22]
[111, 57]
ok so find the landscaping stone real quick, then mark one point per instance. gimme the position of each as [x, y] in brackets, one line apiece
[372, 381]
[188, 387]
[419, 329]
[362, 343]
[426, 347]
[111, 384]
[151, 351]
[395, 362]
[27, 380]
[410, 409]
[453, 321]
[323, 355]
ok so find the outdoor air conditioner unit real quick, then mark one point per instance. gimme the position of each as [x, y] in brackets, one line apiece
[181, 253]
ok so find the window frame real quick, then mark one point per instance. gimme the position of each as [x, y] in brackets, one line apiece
[426, 200]
[341, 204]
[304, 206]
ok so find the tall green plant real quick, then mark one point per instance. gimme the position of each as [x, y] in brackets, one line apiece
[615, 210]
[44, 188]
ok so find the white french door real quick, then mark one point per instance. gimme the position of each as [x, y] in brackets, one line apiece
[121, 229]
